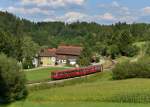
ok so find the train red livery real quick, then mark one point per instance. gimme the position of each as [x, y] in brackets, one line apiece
[75, 72]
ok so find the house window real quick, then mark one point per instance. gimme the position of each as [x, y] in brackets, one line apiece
[41, 62]
[64, 61]
[72, 61]
[53, 59]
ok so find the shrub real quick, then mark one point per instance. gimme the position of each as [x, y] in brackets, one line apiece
[113, 51]
[12, 80]
[130, 51]
[139, 69]
[27, 64]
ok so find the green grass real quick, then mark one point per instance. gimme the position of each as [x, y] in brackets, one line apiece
[140, 44]
[132, 90]
[40, 74]
[75, 104]
[123, 58]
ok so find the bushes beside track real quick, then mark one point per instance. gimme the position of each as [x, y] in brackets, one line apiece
[127, 69]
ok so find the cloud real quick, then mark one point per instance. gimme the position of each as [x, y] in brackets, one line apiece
[53, 3]
[115, 7]
[73, 16]
[121, 12]
[146, 10]
[22, 10]
[107, 16]
[70, 17]
[115, 4]
[129, 19]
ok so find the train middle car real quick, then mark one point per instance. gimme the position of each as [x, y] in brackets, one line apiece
[75, 72]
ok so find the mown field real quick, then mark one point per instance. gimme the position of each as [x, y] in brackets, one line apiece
[94, 92]
[42, 74]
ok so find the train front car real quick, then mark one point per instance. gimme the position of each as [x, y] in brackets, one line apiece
[99, 68]
[54, 76]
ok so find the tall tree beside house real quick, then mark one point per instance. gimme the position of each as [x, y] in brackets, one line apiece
[12, 80]
[29, 50]
[85, 57]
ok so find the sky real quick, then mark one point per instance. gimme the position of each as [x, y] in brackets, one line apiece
[99, 11]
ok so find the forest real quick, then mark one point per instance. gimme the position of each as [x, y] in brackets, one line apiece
[22, 39]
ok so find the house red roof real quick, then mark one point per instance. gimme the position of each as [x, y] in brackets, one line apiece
[69, 50]
[48, 52]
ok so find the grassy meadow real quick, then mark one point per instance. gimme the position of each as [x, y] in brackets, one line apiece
[42, 74]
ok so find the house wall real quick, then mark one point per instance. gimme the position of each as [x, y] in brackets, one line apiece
[63, 59]
[47, 61]
[72, 61]
[35, 62]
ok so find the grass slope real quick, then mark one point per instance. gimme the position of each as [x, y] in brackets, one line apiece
[132, 90]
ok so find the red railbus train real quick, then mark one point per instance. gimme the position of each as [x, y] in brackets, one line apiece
[75, 72]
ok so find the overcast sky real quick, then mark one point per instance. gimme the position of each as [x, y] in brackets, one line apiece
[100, 11]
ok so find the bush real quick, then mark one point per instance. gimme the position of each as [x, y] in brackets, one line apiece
[139, 69]
[12, 80]
[27, 64]
[113, 51]
[130, 51]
